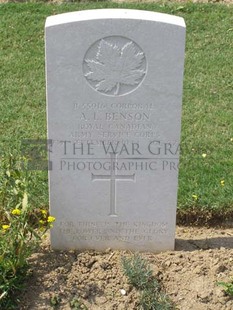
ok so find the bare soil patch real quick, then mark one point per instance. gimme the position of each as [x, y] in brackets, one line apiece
[203, 256]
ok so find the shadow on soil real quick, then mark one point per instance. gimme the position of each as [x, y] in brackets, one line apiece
[204, 244]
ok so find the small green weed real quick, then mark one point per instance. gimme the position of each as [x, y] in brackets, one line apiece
[141, 277]
[55, 301]
[137, 271]
[76, 304]
[227, 286]
[21, 226]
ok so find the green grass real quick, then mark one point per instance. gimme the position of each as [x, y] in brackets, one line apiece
[208, 90]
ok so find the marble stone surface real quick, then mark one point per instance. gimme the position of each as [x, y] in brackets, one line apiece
[114, 95]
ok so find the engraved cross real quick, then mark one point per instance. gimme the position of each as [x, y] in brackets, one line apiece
[113, 178]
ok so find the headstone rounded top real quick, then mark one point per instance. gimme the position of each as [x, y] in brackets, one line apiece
[113, 14]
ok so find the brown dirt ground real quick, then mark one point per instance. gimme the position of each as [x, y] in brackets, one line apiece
[203, 256]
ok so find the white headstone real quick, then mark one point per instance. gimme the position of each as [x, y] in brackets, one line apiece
[114, 93]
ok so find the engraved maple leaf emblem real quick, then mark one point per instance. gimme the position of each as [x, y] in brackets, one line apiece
[114, 66]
